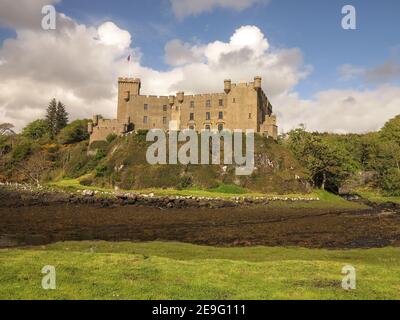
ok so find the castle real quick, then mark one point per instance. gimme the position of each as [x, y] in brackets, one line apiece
[242, 106]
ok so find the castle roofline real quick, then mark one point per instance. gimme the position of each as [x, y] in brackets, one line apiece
[126, 79]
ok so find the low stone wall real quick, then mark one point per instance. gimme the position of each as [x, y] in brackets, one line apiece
[16, 195]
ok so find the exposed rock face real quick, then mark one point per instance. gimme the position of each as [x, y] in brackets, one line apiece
[360, 179]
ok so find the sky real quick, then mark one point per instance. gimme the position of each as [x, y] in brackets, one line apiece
[314, 72]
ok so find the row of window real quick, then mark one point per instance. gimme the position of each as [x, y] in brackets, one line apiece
[191, 117]
[192, 104]
[208, 127]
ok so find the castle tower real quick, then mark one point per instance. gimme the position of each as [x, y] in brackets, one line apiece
[176, 110]
[126, 88]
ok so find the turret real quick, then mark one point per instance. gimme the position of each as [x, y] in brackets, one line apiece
[90, 127]
[180, 96]
[95, 120]
[171, 100]
[257, 83]
[126, 88]
[227, 86]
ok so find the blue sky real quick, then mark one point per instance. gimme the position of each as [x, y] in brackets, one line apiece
[314, 26]
[372, 52]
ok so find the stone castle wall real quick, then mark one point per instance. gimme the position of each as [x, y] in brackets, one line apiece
[242, 106]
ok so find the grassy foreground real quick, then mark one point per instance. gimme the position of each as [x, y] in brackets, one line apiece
[376, 196]
[159, 270]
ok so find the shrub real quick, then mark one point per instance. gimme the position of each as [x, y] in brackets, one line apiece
[101, 170]
[21, 150]
[74, 132]
[100, 154]
[111, 137]
[391, 182]
[36, 129]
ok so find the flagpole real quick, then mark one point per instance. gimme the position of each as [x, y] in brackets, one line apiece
[129, 65]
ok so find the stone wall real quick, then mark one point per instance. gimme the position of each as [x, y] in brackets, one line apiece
[242, 106]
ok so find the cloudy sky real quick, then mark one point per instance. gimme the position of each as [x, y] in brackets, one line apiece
[314, 71]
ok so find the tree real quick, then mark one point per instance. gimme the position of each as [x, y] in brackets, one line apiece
[61, 117]
[51, 117]
[329, 163]
[36, 129]
[6, 129]
[391, 182]
[34, 167]
[391, 130]
[57, 117]
[76, 131]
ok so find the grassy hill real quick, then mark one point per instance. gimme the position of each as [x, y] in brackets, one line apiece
[121, 163]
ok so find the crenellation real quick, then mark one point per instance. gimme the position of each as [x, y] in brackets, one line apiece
[241, 106]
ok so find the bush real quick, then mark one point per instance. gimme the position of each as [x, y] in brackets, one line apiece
[111, 137]
[21, 150]
[100, 154]
[391, 182]
[101, 170]
[36, 129]
[74, 132]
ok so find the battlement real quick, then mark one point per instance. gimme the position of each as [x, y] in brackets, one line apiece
[128, 80]
[241, 106]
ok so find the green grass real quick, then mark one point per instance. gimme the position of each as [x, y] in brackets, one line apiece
[327, 200]
[376, 196]
[159, 270]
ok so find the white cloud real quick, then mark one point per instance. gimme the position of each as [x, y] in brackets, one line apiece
[23, 13]
[383, 73]
[340, 111]
[79, 65]
[184, 8]
[111, 35]
[203, 68]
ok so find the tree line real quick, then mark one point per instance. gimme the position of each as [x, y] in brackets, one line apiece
[332, 159]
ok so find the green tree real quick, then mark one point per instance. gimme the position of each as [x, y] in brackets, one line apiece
[391, 182]
[6, 129]
[61, 117]
[51, 117]
[329, 162]
[36, 129]
[76, 131]
[391, 130]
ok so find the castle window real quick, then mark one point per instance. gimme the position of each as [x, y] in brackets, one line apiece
[192, 104]
[208, 103]
[191, 127]
[207, 127]
[234, 100]
[221, 102]
[220, 127]
[164, 107]
[208, 116]
[164, 120]
[191, 117]
[249, 115]
[145, 119]
[146, 106]
[220, 115]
